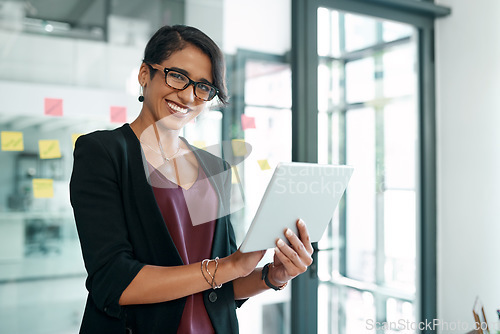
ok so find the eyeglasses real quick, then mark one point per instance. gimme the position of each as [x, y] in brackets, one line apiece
[177, 80]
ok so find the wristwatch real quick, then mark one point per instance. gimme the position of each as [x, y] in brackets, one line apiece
[265, 271]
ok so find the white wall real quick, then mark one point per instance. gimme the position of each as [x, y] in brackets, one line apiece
[259, 25]
[468, 148]
[70, 62]
[208, 16]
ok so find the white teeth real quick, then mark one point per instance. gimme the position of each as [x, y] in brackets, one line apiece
[177, 108]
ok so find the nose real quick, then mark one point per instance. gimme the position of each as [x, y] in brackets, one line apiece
[187, 95]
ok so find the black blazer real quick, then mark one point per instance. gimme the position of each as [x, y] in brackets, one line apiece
[121, 229]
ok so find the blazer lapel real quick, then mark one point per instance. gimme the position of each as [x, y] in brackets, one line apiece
[148, 211]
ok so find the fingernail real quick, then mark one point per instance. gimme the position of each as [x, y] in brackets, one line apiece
[288, 232]
[301, 222]
[280, 242]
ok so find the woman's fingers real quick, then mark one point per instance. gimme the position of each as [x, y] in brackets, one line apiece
[298, 248]
[295, 257]
[289, 259]
[304, 236]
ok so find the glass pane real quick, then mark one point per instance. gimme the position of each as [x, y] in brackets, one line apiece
[400, 238]
[328, 30]
[271, 140]
[40, 256]
[400, 77]
[360, 32]
[323, 138]
[324, 32]
[359, 312]
[324, 87]
[92, 65]
[402, 314]
[328, 257]
[400, 140]
[329, 90]
[328, 309]
[336, 139]
[394, 30]
[360, 243]
[329, 135]
[381, 144]
[360, 80]
[268, 84]
[335, 32]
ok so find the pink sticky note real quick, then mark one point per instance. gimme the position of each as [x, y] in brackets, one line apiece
[247, 122]
[118, 114]
[53, 107]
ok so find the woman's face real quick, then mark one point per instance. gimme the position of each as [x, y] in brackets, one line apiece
[170, 108]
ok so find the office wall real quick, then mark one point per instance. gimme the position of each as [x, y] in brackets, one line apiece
[258, 25]
[468, 148]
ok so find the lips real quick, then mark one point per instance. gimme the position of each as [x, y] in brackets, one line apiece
[176, 109]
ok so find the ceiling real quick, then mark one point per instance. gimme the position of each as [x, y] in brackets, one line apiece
[75, 18]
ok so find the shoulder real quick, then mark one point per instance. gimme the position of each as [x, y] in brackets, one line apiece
[104, 140]
[105, 136]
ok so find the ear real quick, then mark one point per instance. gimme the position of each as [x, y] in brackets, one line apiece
[143, 76]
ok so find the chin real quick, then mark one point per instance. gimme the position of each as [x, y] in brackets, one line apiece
[171, 124]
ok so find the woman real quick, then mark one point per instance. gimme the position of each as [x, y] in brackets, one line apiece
[151, 269]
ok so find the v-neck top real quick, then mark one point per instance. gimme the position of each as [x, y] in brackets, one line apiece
[190, 218]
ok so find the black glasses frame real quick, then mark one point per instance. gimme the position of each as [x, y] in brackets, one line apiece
[190, 82]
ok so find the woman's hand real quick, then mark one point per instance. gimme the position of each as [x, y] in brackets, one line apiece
[291, 261]
[245, 263]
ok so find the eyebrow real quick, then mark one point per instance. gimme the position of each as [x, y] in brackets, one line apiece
[186, 73]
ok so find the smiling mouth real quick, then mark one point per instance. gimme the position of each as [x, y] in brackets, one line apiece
[177, 108]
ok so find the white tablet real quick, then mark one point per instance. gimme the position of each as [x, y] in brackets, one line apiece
[297, 190]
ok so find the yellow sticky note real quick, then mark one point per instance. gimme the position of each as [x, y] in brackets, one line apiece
[234, 175]
[49, 149]
[12, 141]
[74, 137]
[201, 144]
[43, 188]
[264, 165]
[239, 147]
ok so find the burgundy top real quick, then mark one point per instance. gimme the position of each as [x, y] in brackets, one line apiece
[190, 218]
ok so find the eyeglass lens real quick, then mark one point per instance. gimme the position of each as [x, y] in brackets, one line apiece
[180, 81]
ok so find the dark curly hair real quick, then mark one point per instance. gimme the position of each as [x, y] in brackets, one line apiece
[169, 39]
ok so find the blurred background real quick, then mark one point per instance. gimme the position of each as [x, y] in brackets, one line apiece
[403, 90]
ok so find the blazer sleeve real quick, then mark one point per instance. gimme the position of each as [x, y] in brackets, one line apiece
[98, 209]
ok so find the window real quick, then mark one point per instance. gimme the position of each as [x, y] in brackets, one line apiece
[367, 104]
[266, 124]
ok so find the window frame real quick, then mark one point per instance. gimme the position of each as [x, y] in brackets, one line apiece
[421, 15]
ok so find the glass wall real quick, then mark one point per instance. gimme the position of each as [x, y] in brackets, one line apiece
[69, 68]
[367, 100]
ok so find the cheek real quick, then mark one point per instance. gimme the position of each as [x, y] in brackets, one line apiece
[198, 109]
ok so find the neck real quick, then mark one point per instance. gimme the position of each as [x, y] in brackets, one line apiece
[151, 132]
[168, 139]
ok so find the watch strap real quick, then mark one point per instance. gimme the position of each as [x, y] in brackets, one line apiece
[265, 272]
